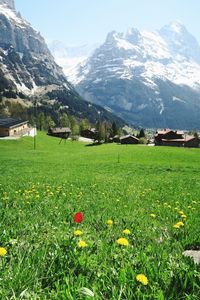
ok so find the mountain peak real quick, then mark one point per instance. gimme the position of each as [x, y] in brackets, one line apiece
[9, 3]
[176, 26]
[133, 35]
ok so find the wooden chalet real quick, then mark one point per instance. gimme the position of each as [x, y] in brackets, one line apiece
[177, 138]
[13, 127]
[129, 140]
[61, 132]
[89, 133]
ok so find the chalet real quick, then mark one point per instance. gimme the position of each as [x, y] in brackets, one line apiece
[89, 133]
[61, 132]
[168, 137]
[13, 127]
[129, 139]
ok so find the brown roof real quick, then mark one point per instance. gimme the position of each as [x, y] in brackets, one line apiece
[60, 130]
[164, 131]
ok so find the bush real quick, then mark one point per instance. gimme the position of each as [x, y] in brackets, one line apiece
[143, 141]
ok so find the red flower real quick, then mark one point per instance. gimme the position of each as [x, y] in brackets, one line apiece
[78, 217]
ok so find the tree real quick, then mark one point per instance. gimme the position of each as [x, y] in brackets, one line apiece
[84, 124]
[64, 120]
[114, 129]
[141, 134]
[101, 132]
[41, 121]
[49, 122]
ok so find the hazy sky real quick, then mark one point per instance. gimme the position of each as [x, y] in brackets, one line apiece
[77, 22]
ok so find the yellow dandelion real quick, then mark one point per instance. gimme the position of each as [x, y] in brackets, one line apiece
[183, 216]
[152, 215]
[109, 222]
[142, 279]
[176, 226]
[126, 231]
[181, 212]
[78, 232]
[82, 244]
[180, 223]
[122, 242]
[3, 251]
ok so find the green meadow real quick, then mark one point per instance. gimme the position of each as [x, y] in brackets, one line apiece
[146, 190]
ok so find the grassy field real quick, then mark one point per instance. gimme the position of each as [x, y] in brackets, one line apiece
[146, 190]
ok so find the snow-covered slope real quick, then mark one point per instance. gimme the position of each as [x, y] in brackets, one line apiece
[150, 78]
[70, 57]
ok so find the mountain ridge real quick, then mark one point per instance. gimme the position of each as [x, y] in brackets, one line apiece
[28, 69]
[148, 78]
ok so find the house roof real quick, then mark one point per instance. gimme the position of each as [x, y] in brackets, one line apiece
[163, 131]
[128, 136]
[11, 122]
[187, 138]
[60, 130]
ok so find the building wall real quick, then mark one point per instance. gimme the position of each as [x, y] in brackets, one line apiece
[129, 141]
[13, 131]
[4, 132]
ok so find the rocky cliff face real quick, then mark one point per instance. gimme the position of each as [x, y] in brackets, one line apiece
[27, 67]
[9, 3]
[25, 58]
[148, 78]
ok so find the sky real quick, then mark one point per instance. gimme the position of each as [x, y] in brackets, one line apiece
[78, 22]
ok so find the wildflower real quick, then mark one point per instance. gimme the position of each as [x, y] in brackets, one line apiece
[3, 251]
[122, 242]
[109, 222]
[181, 212]
[78, 217]
[82, 244]
[126, 231]
[152, 215]
[142, 279]
[178, 225]
[183, 216]
[78, 232]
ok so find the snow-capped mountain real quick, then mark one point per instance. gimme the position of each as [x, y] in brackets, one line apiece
[148, 78]
[27, 68]
[70, 57]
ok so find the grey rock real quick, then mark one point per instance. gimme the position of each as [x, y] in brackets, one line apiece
[194, 254]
